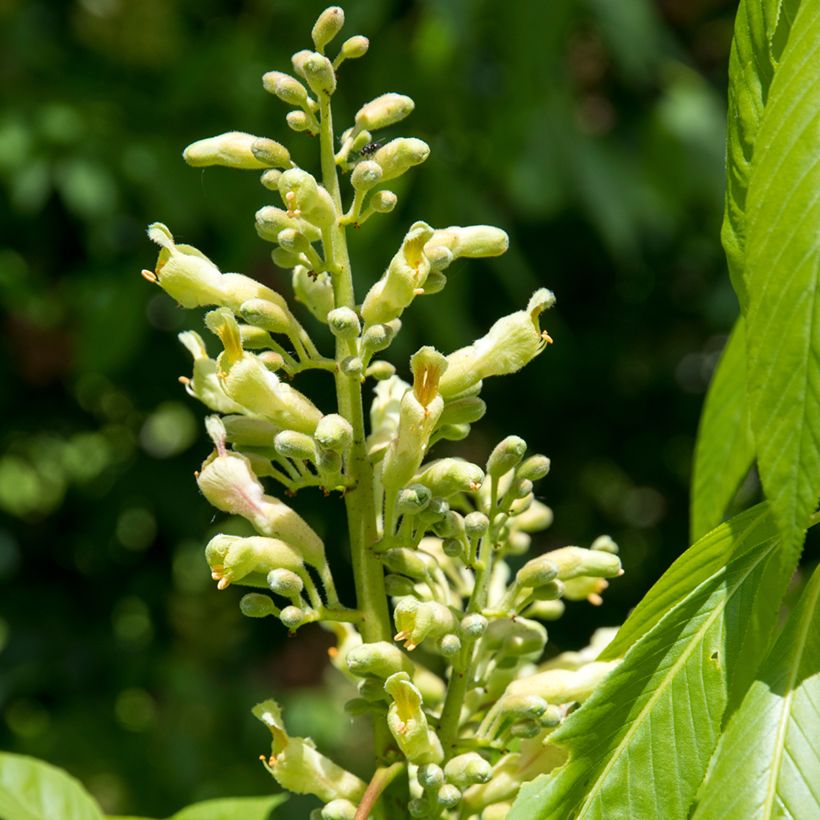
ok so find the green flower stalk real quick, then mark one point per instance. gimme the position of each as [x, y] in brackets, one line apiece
[460, 723]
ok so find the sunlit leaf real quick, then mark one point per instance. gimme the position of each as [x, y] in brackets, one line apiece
[772, 743]
[725, 447]
[34, 790]
[640, 746]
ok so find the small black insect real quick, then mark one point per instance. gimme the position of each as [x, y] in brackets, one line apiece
[371, 148]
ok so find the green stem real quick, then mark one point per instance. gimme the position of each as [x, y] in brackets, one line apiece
[368, 574]
[381, 779]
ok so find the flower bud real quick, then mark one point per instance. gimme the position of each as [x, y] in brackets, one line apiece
[380, 660]
[473, 242]
[355, 47]
[271, 221]
[273, 154]
[299, 768]
[400, 155]
[397, 586]
[448, 796]
[366, 175]
[334, 432]
[533, 468]
[378, 337]
[418, 620]
[537, 571]
[524, 706]
[382, 202]
[506, 456]
[284, 582]
[380, 370]
[352, 366]
[511, 342]
[298, 121]
[327, 26]
[450, 525]
[562, 685]
[604, 543]
[229, 484]
[449, 645]
[466, 769]
[430, 776]
[291, 444]
[476, 525]
[249, 431]
[286, 88]
[413, 499]
[473, 626]
[300, 192]
[408, 723]
[384, 111]
[415, 563]
[453, 432]
[338, 810]
[452, 548]
[319, 73]
[234, 559]
[344, 323]
[525, 729]
[232, 150]
[405, 274]
[551, 590]
[292, 617]
[448, 476]
[418, 808]
[521, 636]
[574, 562]
[535, 518]
[463, 411]
[315, 292]
[298, 61]
[270, 179]
[546, 610]
[266, 315]
[255, 605]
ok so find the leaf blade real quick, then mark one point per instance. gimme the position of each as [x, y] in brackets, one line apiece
[725, 448]
[771, 744]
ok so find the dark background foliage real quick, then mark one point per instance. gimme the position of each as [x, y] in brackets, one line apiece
[592, 131]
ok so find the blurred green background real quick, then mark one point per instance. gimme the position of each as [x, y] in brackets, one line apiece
[591, 130]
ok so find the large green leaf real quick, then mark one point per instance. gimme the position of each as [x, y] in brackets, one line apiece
[761, 30]
[771, 747]
[782, 273]
[725, 448]
[640, 746]
[33, 790]
[223, 808]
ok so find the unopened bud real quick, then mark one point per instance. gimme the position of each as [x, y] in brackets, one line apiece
[246, 561]
[338, 810]
[292, 444]
[255, 605]
[418, 808]
[451, 525]
[452, 548]
[463, 411]
[473, 626]
[232, 150]
[415, 563]
[574, 562]
[515, 637]
[271, 221]
[413, 499]
[344, 323]
[379, 659]
[525, 729]
[319, 73]
[378, 337]
[448, 796]
[506, 456]
[449, 645]
[434, 283]
[382, 202]
[475, 241]
[334, 432]
[536, 517]
[467, 769]
[249, 431]
[298, 121]
[352, 366]
[453, 432]
[380, 370]
[448, 476]
[293, 241]
[270, 179]
[315, 292]
[397, 586]
[537, 571]
[284, 582]
[430, 776]
[286, 88]
[327, 26]
[271, 153]
[298, 61]
[476, 524]
[266, 315]
[384, 111]
[604, 543]
[366, 175]
[400, 155]
[292, 617]
[533, 468]
[355, 47]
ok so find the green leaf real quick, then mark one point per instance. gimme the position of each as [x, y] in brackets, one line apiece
[761, 30]
[230, 808]
[725, 447]
[772, 743]
[34, 790]
[640, 746]
[782, 273]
